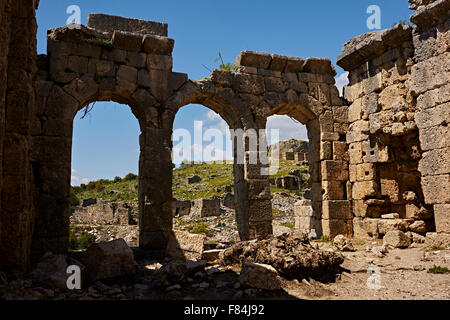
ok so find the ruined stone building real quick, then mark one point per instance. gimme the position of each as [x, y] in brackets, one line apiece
[382, 148]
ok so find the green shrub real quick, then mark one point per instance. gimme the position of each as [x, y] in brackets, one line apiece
[324, 238]
[438, 270]
[117, 179]
[82, 242]
[130, 177]
[74, 200]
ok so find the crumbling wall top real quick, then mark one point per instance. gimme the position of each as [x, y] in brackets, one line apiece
[285, 64]
[370, 45]
[108, 23]
[429, 12]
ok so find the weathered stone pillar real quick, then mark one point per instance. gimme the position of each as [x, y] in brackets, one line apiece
[51, 159]
[155, 188]
[256, 174]
[17, 100]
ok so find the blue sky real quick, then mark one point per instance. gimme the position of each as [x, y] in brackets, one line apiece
[105, 144]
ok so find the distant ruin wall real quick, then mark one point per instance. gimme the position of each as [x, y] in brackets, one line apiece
[398, 112]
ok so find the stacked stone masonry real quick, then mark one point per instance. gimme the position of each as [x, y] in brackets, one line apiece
[378, 157]
[398, 113]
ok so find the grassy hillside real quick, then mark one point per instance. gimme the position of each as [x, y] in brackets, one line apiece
[215, 177]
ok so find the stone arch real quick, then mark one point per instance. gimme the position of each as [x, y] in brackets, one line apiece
[238, 117]
[307, 113]
[53, 149]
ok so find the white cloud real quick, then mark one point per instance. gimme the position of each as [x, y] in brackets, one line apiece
[211, 115]
[341, 81]
[198, 153]
[288, 129]
[75, 180]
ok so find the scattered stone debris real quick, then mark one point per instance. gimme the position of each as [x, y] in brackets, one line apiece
[396, 239]
[260, 276]
[342, 243]
[291, 255]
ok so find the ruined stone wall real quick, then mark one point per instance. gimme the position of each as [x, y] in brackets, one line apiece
[106, 213]
[390, 139]
[17, 68]
[430, 87]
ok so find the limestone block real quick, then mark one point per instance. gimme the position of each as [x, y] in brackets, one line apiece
[127, 40]
[365, 228]
[373, 84]
[329, 136]
[205, 208]
[374, 152]
[340, 151]
[332, 190]
[260, 210]
[319, 66]
[294, 64]
[397, 239]
[366, 172]
[369, 105]
[260, 276]
[442, 217]
[325, 150]
[302, 208]
[109, 259]
[433, 116]
[143, 78]
[247, 83]
[258, 189]
[184, 246]
[418, 226]
[362, 209]
[340, 114]
[386, 225]
[334, 170]
[292, 82]
[253, 59]
[435, 162]
[306, 77]
[116, 55]
[110, 23]
[137, 59]
[432, 98]
[391, 189]
[334, 227]
[159, 62]
[158, 45]
[336, 209]
[353, 91]
[427, 75]
[183, 207]
[78, 64]
[364, 189]
[355, 111]
[176, 80]
[435, 138]
[274, 84]
[358, 131]
[103, 68]
[260, 229]
[355, 153]
[127, 78]
[390, 96]
[278, 62]
[436, 189]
